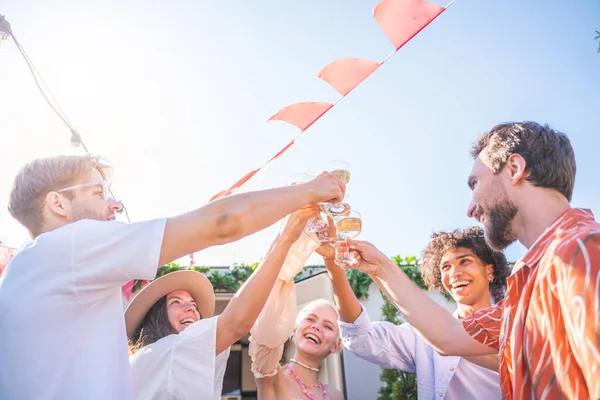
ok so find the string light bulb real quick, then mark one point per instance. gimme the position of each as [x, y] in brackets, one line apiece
[75, 139]
[5, 31]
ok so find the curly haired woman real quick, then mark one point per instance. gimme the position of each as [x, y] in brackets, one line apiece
[479, 274]
[459, 263]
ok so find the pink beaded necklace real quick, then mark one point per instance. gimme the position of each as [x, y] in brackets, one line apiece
[303, 386]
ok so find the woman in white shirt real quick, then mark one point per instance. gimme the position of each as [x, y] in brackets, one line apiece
[178, 349]
[459, 263]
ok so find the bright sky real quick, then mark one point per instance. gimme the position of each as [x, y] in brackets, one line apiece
[177, 94]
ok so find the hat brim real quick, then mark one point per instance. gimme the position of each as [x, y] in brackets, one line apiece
[194, 282]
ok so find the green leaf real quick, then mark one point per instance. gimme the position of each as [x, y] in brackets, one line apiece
[398, 259]
[359, 282]
[201, 269]
[138, 286]
[412, 260]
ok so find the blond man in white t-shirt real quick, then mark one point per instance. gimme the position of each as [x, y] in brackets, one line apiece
[62, 332]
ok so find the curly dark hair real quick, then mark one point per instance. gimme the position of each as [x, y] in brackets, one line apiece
[472, 239]
[154, 326]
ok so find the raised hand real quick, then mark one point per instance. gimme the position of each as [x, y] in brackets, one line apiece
[369, 257]
[325, 187]
[294, 223]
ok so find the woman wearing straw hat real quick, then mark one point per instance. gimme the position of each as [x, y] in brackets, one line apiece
[179, 350]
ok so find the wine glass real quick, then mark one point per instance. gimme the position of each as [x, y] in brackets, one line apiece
[300, 177]
[348, 227]
[341, 170]
[314, 224]
[318, 224]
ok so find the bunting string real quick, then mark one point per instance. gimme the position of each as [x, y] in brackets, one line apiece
[401, 21]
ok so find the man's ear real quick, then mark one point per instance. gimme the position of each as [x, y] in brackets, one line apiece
[516, 167]
[57, 204]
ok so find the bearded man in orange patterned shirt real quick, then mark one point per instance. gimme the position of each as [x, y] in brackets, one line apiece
[547, 328]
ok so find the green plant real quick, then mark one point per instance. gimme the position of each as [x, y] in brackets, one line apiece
[241, 272]
[360, 283]
[231, 280]
[228, 281]
[167, 268]
[223, 282]
[200, 269]
[410, 267]
[596, 38]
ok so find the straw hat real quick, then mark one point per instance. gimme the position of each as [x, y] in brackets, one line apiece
[195, 283]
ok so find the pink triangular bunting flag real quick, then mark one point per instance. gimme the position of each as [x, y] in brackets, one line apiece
[302, 114]
[6, 254]
[220, 195]
[243, 180]
[128, 289]
[280, 152]
[235, 186]
[403, 19]
[345, 74]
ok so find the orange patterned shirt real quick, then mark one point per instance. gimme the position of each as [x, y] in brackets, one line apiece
[547, 328]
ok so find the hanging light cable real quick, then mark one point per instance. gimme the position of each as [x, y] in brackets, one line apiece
[76, 140]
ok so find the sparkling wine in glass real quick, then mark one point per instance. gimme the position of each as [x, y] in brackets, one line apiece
[348, 227]
[341, 170]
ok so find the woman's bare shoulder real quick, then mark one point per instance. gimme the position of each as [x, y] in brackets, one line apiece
[269, 387]
[272, 379]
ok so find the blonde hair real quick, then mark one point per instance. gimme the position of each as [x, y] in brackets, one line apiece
[42, 176]
[311, 305]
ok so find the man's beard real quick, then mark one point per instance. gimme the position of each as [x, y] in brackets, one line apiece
[498, 223]
[85, 213]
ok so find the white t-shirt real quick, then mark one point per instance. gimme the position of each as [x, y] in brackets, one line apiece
[181, 366]
[62, 331]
